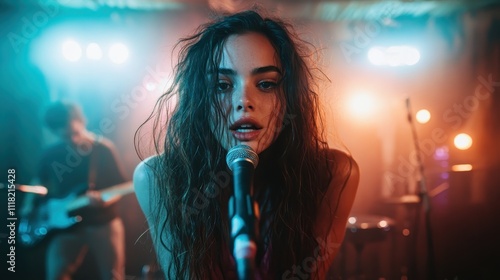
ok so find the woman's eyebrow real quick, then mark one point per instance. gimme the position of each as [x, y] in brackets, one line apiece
[255, 71]
[226, 71]
[264, 69]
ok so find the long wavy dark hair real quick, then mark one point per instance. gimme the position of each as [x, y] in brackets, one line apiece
[191, 174]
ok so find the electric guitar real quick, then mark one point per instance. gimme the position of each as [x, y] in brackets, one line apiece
[58, 213]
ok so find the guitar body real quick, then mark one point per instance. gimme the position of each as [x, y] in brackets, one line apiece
[56, 214]
[49, 217]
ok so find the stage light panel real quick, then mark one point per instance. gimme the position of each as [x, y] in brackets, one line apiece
[94, 51]
[118, 53]
[71, 50]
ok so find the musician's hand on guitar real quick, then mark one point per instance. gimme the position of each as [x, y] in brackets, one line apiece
[95, 199]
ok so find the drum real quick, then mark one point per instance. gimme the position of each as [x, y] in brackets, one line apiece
[362, 230]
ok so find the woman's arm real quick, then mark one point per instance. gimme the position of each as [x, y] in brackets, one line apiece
[335, 209]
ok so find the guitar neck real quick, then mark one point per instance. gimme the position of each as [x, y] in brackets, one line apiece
[109, 194]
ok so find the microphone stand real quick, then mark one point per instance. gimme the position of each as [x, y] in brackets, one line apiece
[243, 223]
[424, 198]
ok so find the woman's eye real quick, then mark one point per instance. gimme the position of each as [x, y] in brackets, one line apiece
[267, 85]
[223, 86]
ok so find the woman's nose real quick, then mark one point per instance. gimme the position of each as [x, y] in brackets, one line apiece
[244, 101]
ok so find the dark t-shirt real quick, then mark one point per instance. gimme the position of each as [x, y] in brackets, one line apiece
[64, 170]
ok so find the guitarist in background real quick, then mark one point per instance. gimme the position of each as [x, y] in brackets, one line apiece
[82, 163]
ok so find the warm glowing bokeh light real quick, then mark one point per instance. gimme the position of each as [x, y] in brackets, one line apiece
[461, 167]
[41, 190]
[361, 105]
[463, 141]
[423, 116]
[71, 50]
[383, 224]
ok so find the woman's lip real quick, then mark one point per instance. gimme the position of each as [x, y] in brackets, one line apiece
[245, 136]
[243, 121]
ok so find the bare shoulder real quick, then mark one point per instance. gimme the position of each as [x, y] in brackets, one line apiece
[343, 187]
[146, 189]
[344, 167]
[336, 206]
[145, 183]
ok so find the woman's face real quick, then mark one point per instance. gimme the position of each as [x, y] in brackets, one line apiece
[248, 86]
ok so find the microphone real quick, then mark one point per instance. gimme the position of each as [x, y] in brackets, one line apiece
[242, 160]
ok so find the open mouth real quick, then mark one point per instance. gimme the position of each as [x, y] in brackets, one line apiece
[245, 125]
[245, 129]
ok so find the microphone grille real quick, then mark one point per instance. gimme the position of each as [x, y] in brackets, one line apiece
[241, 152]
